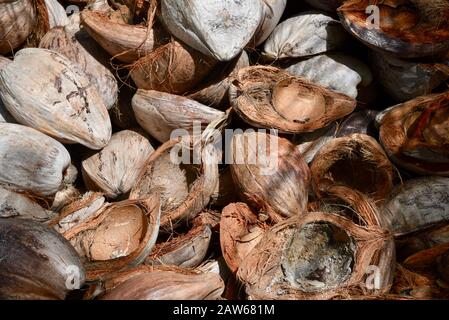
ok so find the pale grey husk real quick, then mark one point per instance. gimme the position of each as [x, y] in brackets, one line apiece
[31, 161]
[306, 34]
[218, 28]
[338, 72]
[57, 16]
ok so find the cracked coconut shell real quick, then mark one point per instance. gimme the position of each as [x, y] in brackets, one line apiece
[46, 91]
[267, 97]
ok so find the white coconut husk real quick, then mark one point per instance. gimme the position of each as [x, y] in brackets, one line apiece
[307, 34]
[338, 72]
[417, 204]
[17, 20]
[161, 113]
[5, 116]
[70, 109]
[59, 40]
[217, 28]
[30, 161]
[20, 206]
[308, 144]
[57, 16]
[272, 13]
[405, 80]
[114, 169]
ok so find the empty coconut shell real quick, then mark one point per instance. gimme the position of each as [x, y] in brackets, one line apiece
[417, 204]
[173, 67]
[240, 232]
[45, 90]
[17, 20]
[17, 205]
[268, 97]
[120, 235]
[409, 29]
[415, 134]
[115, 169]
[185, 187]
[32, 162]
[306, 34]
[218, 28]
[37, 262]
[160, 114]
[270, 173]
[59, 40]
[125, 42]
[356, 161]
[168, 285]
[316, 256]
[186, 250]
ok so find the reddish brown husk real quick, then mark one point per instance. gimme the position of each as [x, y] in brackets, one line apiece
[94, 255]
[240, 231]
[356, 161]
[267, 97]
[408, 30]
[270, 174]
[264, 272]
[173, 68]
[415, 136]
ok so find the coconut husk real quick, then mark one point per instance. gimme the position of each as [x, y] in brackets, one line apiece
[186, 250]
[356, 161]
[207, 217]
[217, 28]
[407, 30]
[317, 256]
[103, 239]
[30, 161]
[417, 204]
[168, 285]
[272, 13]
[57, 16]
[173, 67]
[45, 90]
[270, 174]
[160, 114]
[225, 191]
[414, 134]
[125, 42]
[268, 97]
[115, 169]
[240, 231]
[215, 91]
[309, 33]
[405, 80]
[20, 206]
[61, 41]
[359, 122]
[335, 71]
[308, 144]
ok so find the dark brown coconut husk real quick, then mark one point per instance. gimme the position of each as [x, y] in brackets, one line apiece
[414, 134]
[42, 24]
[105, 250]
[267, 97]
[409, 29]
[356, 161]
[173, 67]
[274, 179]
[240, 232]
[338, 271]
[186, 250]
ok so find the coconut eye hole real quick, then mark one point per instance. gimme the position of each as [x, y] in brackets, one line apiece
[319, 256]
